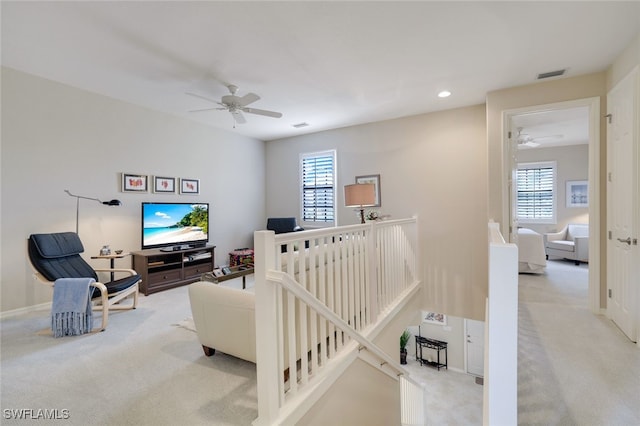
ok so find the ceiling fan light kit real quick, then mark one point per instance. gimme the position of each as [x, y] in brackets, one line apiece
[236, 105]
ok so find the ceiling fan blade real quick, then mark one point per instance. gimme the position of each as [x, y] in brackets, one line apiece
[247, 99]
[529, 144]
[203, 109]
[262, 112]
[237, 115]
[201, 97]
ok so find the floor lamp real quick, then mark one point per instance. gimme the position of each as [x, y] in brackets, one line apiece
[360, 195]
[106, 203]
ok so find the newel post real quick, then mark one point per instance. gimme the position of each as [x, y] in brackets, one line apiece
[267, 369]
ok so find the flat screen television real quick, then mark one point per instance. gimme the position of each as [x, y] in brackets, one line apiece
[175, 225]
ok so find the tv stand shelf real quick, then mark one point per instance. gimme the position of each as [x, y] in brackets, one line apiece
[162, 270]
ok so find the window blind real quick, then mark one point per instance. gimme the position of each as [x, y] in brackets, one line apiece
[535, 186]
[318, 187]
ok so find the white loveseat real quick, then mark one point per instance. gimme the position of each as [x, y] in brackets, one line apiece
[225, 319]
[572, 242]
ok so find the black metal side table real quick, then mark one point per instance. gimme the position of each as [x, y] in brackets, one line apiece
[437, 345]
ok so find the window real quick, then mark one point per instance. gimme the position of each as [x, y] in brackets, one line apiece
[317, 175]
[536, 193]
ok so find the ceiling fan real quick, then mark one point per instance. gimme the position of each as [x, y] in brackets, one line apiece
[236, 105]
[525, 140]
[531, 142]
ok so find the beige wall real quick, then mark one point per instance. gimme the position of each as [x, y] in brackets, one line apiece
[433, 165]
[361, 396]
[624, 63]
[572, 164]
[56, 137]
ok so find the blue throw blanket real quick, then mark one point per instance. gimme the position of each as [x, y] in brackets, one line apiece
[71, 312]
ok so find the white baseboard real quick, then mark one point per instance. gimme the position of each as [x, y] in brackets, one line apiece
[25, 310]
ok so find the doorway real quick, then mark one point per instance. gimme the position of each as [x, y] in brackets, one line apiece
[510, 158]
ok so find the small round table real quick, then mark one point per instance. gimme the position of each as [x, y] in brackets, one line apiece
[112, 258]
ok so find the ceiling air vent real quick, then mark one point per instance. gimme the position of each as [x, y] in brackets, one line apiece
[300, 125]
[550, 74]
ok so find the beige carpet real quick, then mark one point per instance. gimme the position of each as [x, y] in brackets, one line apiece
[187, 324]
[146, 368]
[574, 368]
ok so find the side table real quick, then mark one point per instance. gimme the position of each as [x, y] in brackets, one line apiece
[112, 258]
[236, 272]
[437, 345]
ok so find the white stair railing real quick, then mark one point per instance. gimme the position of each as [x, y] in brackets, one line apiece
[413, 403]
[325, 294]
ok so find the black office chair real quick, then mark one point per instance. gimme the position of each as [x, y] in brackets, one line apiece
[57, 255]
[281, 225]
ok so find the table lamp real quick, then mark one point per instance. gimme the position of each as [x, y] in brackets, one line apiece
[360, 195]
[106, 203]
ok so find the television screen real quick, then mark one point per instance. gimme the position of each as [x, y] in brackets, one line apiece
[174, 224]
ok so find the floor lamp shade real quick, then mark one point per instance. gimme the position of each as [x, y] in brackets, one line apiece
[360, 195]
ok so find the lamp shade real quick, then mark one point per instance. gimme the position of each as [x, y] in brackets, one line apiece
[359, 195]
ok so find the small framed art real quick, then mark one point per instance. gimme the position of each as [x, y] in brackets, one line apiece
[577, 193]
[164, 185]
[434, 318]
[189, 186]
[134, 182]
[375, 180]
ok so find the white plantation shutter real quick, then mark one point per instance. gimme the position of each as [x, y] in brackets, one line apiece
[318, 186]
[536, 192]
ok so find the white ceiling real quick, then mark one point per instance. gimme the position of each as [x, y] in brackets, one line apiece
[329, 63]
[547, 129]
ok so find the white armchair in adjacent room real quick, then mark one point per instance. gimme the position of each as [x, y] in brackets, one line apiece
[572, 242]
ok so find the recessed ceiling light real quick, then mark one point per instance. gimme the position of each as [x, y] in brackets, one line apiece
[444, 94]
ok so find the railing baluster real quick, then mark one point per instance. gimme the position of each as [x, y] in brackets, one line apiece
[330, 296]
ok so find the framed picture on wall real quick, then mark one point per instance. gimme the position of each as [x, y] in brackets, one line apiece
[577, 193]
[190, 186]
[164, 185]
[434, 318]
[375, 180]
[134, 182]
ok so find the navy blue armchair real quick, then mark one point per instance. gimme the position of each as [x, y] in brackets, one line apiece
[57, 255]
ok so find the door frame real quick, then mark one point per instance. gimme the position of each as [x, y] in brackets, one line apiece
[593, 105]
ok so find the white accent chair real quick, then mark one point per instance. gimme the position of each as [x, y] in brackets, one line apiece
[225, 319]
[572, 242]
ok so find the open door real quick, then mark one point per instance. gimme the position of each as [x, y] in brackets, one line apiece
[512, 119]
[622, 201]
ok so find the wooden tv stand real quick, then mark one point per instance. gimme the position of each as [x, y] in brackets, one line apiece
[162, 270]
